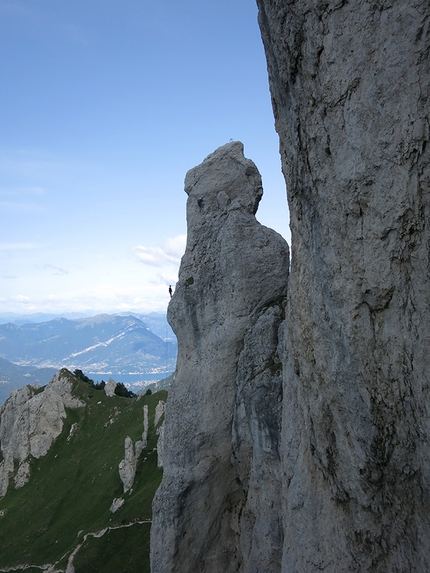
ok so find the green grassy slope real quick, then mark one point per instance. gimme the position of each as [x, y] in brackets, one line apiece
[71, 490]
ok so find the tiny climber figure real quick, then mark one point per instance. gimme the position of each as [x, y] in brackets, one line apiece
[200, 203]
[170, 291]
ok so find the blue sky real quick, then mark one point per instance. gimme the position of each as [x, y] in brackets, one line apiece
[104, 106]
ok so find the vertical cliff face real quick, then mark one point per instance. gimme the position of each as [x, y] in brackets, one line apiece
[224, 408]
[297, 436]
[350, 83]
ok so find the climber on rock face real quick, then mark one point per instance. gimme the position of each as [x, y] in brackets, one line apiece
[170, 291]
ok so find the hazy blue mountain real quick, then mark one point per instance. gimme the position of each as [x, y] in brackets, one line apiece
[13, 376]
[156, 322]
[106, 344]
[20, 319]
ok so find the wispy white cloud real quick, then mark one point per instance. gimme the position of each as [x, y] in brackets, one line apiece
[21, 207]
[176, 245]
[57, 271]
[19, 303]
[36, 169]
[21, 299]
[169, 253]
[154, 256]
[21, 191]
[19, 246]
[22, 199]
[43, 19]
[163, 279]
[91, 301]
[9, 277]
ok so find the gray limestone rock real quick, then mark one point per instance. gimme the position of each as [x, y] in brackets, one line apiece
[256, 442]
[22, 475]
[160, 445]
[116, 504]
[159, 412]
[127, 466]
[350, 85]
[110, 388]
[30, 420]
[233, 272]
[301, 444]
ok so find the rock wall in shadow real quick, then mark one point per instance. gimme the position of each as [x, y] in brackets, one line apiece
[350, 85]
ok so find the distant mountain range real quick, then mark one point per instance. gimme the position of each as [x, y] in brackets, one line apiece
[20, 319]
[13, 376]
[104, 345]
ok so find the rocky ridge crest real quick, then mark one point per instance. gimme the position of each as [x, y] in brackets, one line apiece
[30, 420]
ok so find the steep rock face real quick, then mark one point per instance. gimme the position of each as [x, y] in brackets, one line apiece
[29, 423]
[232, 283]
[256, 449]
[350, 84]
[128, 465]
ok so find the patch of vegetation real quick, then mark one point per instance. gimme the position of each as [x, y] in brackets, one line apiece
[96, 385]
[38, 389]
[189, 281]
[72, 488]
[121, 390]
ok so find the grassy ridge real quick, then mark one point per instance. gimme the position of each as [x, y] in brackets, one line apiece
[71, 490]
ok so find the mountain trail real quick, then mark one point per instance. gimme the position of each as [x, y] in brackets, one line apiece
[52, 568]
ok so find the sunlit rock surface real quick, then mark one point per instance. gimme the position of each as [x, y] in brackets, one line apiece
[30, 421]
[229, 298]
[327, 470]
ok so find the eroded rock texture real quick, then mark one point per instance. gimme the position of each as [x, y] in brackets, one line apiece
[30, 421]
[330, 469]
[224, 408]
[350, 83]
